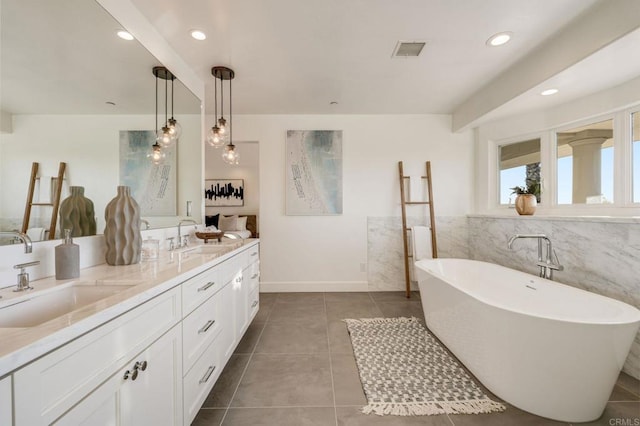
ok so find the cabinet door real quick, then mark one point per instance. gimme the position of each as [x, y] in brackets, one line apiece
[6, 402]
[155, 396]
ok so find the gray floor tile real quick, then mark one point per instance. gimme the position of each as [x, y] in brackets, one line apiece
[301, 298]
[339, 340]
[285, 380]
[341, 310]
[294, 337]
[294, 416]
[313, 311]
[510, 417]
[394, 296]
[620, 394]
[352, 416]
[629, 383]
[348, 297]
[618, 413]
[248, 342]
[221, 394]
[401, 309]
[268, 298]
[346, 381]
[209, 417]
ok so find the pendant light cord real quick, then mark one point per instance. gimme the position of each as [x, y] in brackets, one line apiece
[166, 114]
[221, 96]
[171, 96]
[215, 106]
[156, 106]
[230, 114]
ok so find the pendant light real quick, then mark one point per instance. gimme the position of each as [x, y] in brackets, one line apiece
[175, 129]
[222, 128]
[164, 138]
[215, 138]
[156, 155]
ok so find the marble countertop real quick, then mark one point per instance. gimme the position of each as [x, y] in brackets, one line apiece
[145, 280]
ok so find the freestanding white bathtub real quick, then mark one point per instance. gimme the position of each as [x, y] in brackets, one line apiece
[545, 347]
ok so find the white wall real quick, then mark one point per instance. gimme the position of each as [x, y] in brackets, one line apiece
[248, 169]
[325, 252]
[89, 144]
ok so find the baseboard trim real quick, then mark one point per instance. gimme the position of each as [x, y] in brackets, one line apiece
[312, 286]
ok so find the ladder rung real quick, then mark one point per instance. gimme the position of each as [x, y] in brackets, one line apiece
[417, 202]
[41, 204]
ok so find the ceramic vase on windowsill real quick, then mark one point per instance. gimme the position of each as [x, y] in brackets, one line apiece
[77, 213]
[122, 230]
[526, 204]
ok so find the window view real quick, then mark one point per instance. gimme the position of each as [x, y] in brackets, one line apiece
[519, 166]
[635, 137]
[585, 164]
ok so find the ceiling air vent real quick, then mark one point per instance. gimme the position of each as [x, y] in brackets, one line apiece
[407, 49]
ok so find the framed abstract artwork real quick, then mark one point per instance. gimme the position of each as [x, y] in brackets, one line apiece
[224, 192]
[153, 186]
[314, 172]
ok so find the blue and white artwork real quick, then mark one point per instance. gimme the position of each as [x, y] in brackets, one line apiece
[153, 186]
[314, 172]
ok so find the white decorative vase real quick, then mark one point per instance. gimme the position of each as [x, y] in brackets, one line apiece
[122, 231]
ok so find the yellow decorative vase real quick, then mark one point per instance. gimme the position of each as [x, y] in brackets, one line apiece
[526, 204]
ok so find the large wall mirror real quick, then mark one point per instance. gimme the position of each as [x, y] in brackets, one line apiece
[69, 86]
[518, 165]
[585, 164]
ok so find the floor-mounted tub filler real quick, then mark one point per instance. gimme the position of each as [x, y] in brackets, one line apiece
[544, 347]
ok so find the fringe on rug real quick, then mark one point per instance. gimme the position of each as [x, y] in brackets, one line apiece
[434, 408]
[379, 320]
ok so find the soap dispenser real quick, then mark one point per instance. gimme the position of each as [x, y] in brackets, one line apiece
[67, 258]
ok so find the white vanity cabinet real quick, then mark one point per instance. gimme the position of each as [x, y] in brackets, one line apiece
[86, 375]
[6, 402]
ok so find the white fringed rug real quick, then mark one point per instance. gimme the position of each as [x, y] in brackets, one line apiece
[405, 371]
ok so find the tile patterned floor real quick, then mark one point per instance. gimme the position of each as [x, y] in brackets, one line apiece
[295, 366]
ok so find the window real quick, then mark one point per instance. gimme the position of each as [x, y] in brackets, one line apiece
[585, 164]
[519, 165]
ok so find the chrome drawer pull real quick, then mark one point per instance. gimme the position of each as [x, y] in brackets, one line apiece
[254, 304]
[207, 286]
[208, 374]
[254, 276]
[255, 253]
[207, 326]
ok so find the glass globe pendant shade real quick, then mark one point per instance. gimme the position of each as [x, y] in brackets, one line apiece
[164, 138]
[175, 129]
[222, 125]
[156, 155]
[230, 155]
[215, 139]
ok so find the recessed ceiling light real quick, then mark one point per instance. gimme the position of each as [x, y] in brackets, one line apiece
[124, 35]
[549, 92]
[499, 39]
[198, 35]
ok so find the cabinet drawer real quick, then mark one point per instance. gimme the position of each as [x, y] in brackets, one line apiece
[200, 380]
[252, 275]
[253, 254]
[199, 288]
[199, 329]
[254, 303]
[66, 375]
[6, 404]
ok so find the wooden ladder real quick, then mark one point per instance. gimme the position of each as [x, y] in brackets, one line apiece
[405, 237]
[55, 201]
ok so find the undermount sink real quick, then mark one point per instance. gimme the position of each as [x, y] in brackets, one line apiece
[34, 308]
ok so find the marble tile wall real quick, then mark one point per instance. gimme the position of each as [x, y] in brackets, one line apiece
[598, 255]
[385, 250]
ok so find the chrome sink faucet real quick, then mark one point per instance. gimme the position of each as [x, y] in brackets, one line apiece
[546, 265]
[28, 246]
[184, 243]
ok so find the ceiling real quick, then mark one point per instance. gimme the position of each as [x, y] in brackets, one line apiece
[298, 57]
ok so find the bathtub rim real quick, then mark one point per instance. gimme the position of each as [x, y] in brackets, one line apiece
[629, 311]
